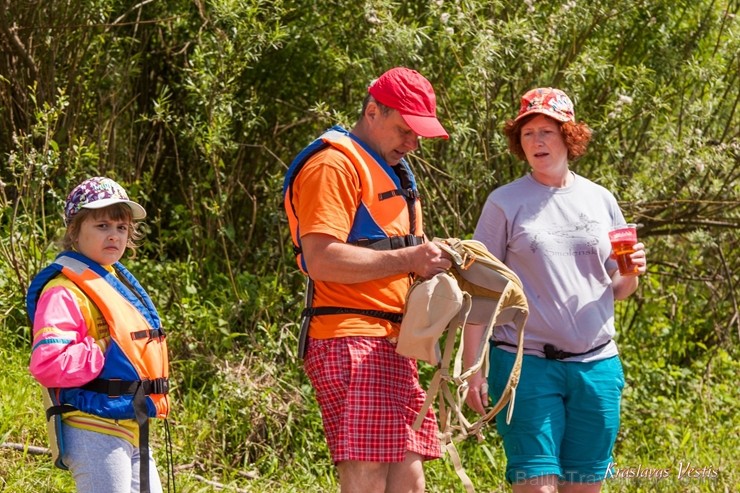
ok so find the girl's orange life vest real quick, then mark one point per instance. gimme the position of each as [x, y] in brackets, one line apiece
[134, 382]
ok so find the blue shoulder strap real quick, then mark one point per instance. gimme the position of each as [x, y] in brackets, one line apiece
[37, 285]
[303, 156]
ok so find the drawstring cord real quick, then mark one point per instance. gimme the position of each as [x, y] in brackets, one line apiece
[170, 461]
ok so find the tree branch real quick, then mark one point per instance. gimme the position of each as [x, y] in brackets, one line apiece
[21, 447]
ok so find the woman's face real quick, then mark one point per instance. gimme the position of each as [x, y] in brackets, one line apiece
[102, 239]
[544, 146]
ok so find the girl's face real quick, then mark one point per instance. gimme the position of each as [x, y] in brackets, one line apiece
[103, 239]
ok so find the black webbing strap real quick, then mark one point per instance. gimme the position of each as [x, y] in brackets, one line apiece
[142, 419]
[339, 310]
[404, 175]
[60, 409]
[408, 193]
[551, 352]
[147, 334]
[391, 243]
[117, 388]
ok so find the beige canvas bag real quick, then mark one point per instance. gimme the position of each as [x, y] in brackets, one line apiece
[479, 289]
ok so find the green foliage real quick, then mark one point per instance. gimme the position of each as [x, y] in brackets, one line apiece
[198, 107]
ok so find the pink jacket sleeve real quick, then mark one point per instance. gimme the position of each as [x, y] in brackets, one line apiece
[63, 354]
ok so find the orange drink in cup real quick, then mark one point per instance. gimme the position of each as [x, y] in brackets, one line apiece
[622, 238]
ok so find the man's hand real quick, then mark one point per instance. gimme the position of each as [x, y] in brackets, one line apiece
[428, 260]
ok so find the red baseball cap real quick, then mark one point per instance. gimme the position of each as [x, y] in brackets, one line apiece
[412, 95]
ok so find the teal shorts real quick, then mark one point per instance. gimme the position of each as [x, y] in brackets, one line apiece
[566, 417]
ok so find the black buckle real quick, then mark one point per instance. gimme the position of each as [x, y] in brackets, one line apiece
[412, 240]
[159, 386]
[114, 387]
[150, 334]
[551, 352]
[140, 334]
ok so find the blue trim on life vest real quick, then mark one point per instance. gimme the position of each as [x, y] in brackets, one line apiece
[305, 154]
[37, 285]
[121, 407]
[117, 365]
[364, 226]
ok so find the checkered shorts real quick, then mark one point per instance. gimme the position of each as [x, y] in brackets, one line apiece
[369, 397]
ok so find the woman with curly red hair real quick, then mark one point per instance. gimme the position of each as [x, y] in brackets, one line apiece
[550, 227]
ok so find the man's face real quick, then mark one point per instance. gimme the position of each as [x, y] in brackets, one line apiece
[391, 138]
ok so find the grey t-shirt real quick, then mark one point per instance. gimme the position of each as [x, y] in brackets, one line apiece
[555, 240]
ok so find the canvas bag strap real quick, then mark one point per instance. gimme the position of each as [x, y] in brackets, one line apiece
[508, 396]
[459, 469]
[440, 385]
[442, 374]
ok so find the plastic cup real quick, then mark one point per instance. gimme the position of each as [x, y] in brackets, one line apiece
[623, 238]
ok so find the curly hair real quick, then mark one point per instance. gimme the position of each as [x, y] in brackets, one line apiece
[576, 136]
[115, 212]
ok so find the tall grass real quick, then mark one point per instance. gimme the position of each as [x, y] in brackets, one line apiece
[249, 428]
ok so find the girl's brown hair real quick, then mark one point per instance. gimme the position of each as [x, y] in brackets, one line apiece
[115, 212]
[576, 136]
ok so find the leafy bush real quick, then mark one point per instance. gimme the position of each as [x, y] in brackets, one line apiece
[198, 107]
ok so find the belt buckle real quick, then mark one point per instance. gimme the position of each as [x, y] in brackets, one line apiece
[551, 352]
[114, 388]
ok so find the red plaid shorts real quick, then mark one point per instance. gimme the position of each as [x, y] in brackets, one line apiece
[369, 398]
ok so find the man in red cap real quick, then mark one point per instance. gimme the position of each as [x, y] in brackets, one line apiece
[356, 224]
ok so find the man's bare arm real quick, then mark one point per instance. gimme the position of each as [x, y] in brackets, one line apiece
[329, 259]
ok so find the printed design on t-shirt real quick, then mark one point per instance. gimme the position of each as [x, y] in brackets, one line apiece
[577, 238]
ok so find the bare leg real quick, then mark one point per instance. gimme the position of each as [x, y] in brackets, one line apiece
[541, 484]
[579, 487]
[390, 477]
[406, 476]
[360, 477]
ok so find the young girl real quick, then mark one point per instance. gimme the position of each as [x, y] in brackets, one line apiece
[98, 348]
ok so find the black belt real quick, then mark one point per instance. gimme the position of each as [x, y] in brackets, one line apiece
[117, 388]
[551, 352]
[339, 310]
